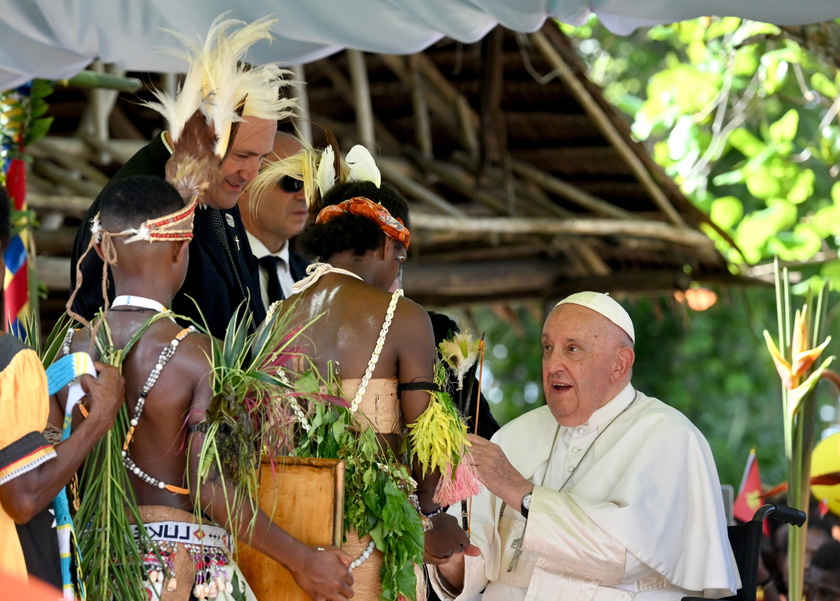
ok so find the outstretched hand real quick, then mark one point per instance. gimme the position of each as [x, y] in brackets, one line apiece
[326, 574]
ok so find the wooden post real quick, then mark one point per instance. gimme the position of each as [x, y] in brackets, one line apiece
[302, 118]
[361, 98]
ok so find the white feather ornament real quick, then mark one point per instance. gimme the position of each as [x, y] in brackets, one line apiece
[325, 176]
[362, 166]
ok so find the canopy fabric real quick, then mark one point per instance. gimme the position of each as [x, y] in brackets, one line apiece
[56, 40]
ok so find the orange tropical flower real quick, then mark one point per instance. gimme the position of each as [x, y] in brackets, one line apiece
[803, 358]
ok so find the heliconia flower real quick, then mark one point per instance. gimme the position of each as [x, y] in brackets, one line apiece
[803, 358]
[460, 353]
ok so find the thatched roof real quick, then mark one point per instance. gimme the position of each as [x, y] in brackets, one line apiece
[524, 182]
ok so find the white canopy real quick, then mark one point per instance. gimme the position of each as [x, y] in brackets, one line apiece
[55, 39]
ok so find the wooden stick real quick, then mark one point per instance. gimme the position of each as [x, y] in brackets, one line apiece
[480, 376]
[477, 410]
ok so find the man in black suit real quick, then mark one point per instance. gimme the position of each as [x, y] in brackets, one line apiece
[222, 271]
[272, 222]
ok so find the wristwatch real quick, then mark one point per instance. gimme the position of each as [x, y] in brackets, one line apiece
[526, 505]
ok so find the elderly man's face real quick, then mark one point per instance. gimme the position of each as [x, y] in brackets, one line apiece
[581, 366]
[252, 143]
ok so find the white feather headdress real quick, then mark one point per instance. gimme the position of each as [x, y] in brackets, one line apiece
[221, 88]
[317, 169]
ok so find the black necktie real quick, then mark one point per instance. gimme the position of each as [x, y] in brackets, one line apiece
[273, 288]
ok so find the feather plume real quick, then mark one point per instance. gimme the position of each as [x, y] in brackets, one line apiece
[193, 166]
[362, 166]
[325, 176]
[221, 86]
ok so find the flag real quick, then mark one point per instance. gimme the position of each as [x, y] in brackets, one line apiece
[749, 497]
[16, 284]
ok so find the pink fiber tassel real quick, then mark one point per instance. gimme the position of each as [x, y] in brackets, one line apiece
[464, 485]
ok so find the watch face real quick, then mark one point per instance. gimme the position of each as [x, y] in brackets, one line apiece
[526, 501]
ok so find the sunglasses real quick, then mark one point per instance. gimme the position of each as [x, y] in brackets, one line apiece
[290, 184]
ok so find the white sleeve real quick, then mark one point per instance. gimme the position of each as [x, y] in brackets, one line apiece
[559, 531]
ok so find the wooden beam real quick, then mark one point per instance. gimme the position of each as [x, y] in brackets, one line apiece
[594, 110]
[68, 204]
[420, 105]
[569, 192]
[393, 171]
[570, 227]
[361, 97]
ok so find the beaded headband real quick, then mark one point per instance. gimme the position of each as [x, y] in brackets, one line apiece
[174, 227]
[393, 227]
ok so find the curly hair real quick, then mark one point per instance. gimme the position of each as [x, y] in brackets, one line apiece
[130, 201]
[5, 208]
[352, 232]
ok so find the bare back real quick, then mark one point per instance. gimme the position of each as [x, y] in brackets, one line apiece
[177, 398]
[350, 314]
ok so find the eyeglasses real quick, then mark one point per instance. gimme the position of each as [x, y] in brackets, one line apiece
[290, 184]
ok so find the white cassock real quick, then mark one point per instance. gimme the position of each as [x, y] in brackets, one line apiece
[641, 517]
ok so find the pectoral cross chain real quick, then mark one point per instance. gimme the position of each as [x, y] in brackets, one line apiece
[516, 544]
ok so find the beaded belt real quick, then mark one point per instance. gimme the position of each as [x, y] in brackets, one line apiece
[186, 533]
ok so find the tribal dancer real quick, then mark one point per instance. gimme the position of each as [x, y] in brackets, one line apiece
[385, 348]
[143, 234]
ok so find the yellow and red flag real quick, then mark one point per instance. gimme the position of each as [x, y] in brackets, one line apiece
[749, 497]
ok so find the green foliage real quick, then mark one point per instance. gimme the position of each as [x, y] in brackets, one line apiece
[22, 119]
[374, 476]
[742, 118]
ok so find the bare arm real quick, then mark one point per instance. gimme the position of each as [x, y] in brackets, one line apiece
[416, 358]
[23, 497]
[324, 575]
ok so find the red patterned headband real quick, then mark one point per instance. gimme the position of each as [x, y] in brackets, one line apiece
[392, 226]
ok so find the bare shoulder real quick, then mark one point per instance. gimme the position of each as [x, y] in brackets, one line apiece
[412, 312]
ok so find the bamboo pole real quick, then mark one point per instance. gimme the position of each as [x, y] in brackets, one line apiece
[571, 227]
[422, 122]
[569, 192]
[302, 118]
[594, 110]
[529, 190]
[47, 147]
[67, 204]
[361, 97]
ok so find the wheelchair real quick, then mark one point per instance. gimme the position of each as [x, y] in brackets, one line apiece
[746, 545]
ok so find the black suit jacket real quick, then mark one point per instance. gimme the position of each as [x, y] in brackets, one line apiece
[209, 280]
[297, 266]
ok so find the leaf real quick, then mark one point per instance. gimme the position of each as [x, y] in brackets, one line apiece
[727, 211]
[802, 187]
[746, 142]
[784, 130]
[825, 86]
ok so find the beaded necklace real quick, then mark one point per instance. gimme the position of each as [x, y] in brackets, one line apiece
[165, 355]
[140, 302]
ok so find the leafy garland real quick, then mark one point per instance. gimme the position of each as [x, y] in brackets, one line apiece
[383, 484]
[111, 560]
[437, 439]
